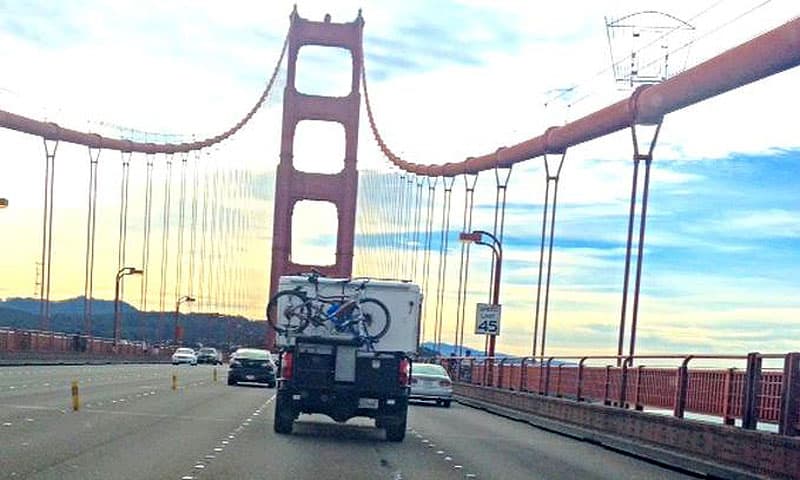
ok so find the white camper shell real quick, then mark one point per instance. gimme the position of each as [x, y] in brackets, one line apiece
[402, 299]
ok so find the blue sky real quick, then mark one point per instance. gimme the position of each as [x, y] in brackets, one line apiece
[448, 80]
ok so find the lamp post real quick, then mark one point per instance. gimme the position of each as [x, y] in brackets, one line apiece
[185, 298]
[476, 236]
[121, 273]
[3, 202]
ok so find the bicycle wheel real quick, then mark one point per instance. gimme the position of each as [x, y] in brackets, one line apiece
[287, 312]
[375, 318]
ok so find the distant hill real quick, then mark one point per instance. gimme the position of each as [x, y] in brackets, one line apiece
[199, 328]
[71, 306]
[429, 348]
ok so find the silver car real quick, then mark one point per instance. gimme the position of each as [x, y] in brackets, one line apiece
[431, 382]
[184, 355]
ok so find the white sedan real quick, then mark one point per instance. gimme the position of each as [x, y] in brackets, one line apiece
[431, 382]
[184, 355]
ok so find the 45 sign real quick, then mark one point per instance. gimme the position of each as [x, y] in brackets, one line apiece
[487, 319]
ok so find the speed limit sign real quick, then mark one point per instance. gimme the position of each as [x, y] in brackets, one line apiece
[487, 319]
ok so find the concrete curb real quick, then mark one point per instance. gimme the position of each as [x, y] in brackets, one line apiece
[657, 455]
[33, 363]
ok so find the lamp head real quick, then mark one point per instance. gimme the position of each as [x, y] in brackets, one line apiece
[131, 271]
[470, 237]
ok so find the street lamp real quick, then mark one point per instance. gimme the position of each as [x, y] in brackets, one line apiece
[476, 236]
[3, 202]
[121, 273]
[185, 298]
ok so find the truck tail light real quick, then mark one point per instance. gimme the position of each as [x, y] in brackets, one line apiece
[403, 373]
[286, 365]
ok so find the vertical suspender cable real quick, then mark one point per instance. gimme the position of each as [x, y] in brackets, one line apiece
[148, 211]
[463, 268]
[410, 204]
[91, 222]
[432, 182]
[397, 220]
[165, 243]
[443, 243]
[387, 223]
[227, 215]
[550, 252]
[203, 294]
[541, 260]
[403, 230]
[47, 234]
[400, 208]
[181, 209]
[123, 215]
[212, 261]
[499, 223]
[417, 220]
[193, 222]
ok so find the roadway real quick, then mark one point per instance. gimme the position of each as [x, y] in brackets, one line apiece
[132, 425]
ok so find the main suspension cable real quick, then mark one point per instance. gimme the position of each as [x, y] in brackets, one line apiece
[50, 131]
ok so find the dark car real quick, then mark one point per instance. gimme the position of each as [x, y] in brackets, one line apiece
[209, 355]
[251, 365]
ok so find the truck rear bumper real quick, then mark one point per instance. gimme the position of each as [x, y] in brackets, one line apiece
[342, 405]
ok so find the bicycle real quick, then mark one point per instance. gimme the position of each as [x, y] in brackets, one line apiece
[290, 312]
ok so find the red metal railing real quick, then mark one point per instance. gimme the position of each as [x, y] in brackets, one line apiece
[752, 394]
[15, 343]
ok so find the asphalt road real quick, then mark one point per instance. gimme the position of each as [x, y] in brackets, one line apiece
[132, 425]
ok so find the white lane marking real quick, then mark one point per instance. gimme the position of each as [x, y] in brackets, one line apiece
[150, 415]
[31, 407]
[7, 424]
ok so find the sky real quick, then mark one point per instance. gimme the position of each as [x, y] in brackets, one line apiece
[448, 80]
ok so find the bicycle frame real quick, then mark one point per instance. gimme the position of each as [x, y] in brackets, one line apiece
[319, 305]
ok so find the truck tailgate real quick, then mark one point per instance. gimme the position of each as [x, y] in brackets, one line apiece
[327, 363]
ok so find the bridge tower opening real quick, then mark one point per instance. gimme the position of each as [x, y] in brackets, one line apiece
[293, 185]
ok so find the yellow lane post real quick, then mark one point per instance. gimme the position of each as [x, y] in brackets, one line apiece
[215, 374]
[76, 399]
[174, 382]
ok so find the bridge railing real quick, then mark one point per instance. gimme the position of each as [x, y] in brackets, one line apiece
[47, 345]
[744, 395]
